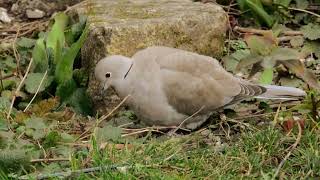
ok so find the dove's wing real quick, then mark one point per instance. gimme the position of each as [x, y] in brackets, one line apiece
[192, 81]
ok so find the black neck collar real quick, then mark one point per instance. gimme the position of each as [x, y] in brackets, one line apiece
[128, 71]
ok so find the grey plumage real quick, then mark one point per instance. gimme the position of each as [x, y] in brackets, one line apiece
[168, 85]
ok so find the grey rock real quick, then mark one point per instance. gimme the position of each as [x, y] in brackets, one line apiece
[34, 14]
[126, 26]
[4, 17]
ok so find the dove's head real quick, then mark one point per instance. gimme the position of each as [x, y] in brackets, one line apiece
[112, 70]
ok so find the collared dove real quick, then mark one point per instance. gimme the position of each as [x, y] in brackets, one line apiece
[168, 85]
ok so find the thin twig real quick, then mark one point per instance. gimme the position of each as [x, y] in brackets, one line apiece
[6, 77]
[180, 125]
[290, 152]
[275, 119]
[67, 174]
[19, 87]
[104, 117]
[49, 160]
[16, 54]
[1, 83]
[142, 131]
[286, 38]
[261, 32]
[305, 11]
[38, 89]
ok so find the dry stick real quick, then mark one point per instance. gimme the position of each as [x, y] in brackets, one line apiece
[275, 119]
[64, 175]
[6, 77]
[142, 131]
[1, 83]
[261, 32]
[19, 87]
[289, 153]
[286, 38]
[15, 52]
[305, 11]
[187, 119]
[34, 96]
[49, 160]
[102, 118]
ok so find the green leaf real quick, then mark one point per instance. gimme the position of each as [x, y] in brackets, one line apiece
[26, 42]
[284, 3]
[311, 31]
[35, 123]
[107, 133]
[51, 139]
[4, 103]
[65, 66]
[242, 4]
[65, 137]
[302, 4]
[283, 54]
[266, 76]
[311, 47]
[10, 63]
[66, 89]
[81, 102]
[75, 97]
[75, 31]
[33, 81]
[259, 44]
[258, 9]
[297, 41]
[231, 62]
[56, 39]
[40, 57]
[298, 68]
[249, 60]
[292, 82]
[80, 76]
[36, 128]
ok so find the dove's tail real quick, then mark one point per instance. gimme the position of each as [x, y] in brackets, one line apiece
[282, 92]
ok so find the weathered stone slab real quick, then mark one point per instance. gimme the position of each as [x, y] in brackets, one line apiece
[125, 26]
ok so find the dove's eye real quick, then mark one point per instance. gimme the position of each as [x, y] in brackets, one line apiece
[108, 74]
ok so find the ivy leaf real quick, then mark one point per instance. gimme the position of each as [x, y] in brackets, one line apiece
[81, 102]
[51, 139]
[39, 55]
[311, 31]
[292, 82]
[36, 128]
[249, 60]
[33, 81]
[266, 76]
[259, 44]
[4, 103]
[107, 133]
[297, 41]
[302, 4]
[76, 97]
[26, 42]
[65, 90]
[298, 68]
[231, 62]
[283, 54]
[311, 47]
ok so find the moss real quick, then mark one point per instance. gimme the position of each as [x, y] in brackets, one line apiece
[127, 10]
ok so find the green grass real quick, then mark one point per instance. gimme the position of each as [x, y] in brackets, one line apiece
[253, 155]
